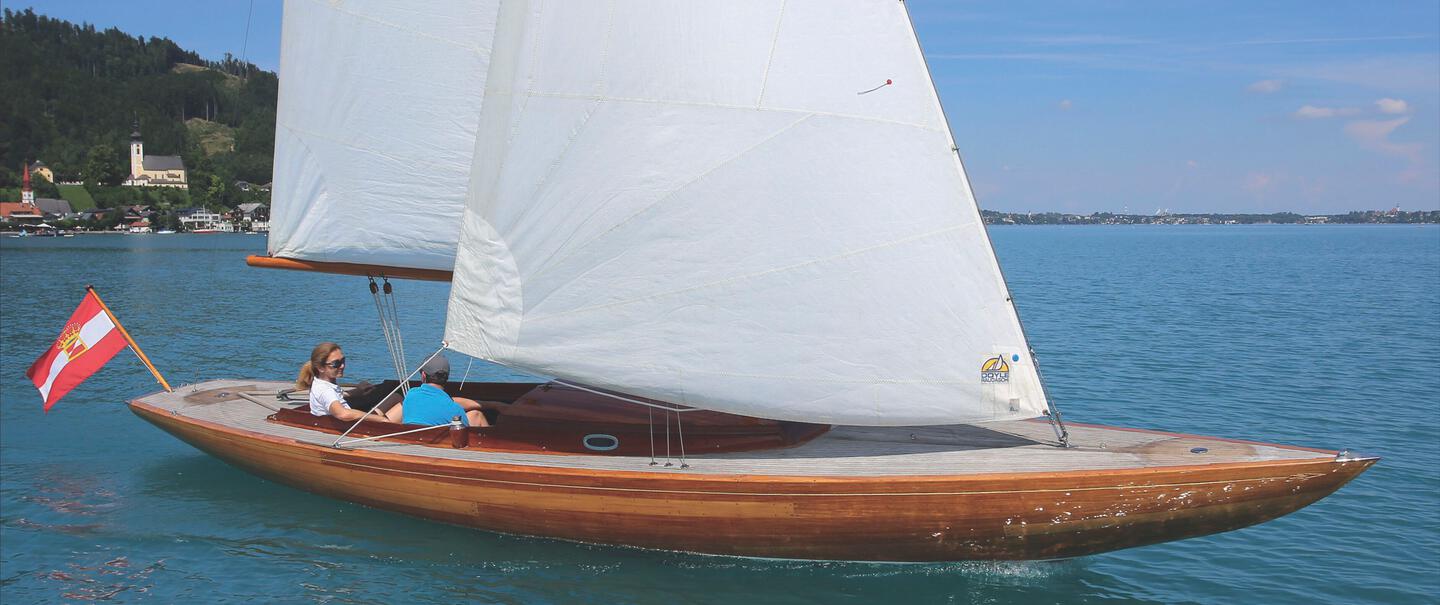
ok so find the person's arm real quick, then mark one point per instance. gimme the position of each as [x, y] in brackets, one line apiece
[339, 410]
[396, 413]
[467, 404]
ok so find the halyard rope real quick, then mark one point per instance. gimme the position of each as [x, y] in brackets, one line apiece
[384, 309]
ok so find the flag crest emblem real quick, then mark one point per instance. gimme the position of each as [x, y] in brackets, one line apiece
[70, 343]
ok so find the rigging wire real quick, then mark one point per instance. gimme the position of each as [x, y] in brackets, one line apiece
[651, 412]
[404, 380]
[680, 425]
[245, 46]
[467, 371]
[667, 441]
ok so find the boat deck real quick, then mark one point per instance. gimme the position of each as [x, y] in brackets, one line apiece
[999, 447]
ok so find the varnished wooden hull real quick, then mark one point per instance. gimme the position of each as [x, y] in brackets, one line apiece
[874, 518]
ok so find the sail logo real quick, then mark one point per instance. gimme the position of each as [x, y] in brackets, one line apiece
[69, 342]
[995, 370]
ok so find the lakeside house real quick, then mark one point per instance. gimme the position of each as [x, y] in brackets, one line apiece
[51, 207]
[21, 213]
[252, 216]
[200, 219]
[95, 215]
[41, 170]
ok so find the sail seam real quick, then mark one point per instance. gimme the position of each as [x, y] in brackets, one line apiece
[809, 379]
[679, 103]
[770, 59]
[376, 151]
[670, 195]
[758, 274]
[555, 164]
[575, 134]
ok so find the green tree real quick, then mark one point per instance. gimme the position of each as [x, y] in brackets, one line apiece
[213, 193]
[102, 166]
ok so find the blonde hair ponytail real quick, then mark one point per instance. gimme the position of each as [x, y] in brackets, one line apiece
[307, 376]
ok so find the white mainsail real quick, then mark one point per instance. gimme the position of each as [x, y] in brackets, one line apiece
[375, 129]
[700, 202]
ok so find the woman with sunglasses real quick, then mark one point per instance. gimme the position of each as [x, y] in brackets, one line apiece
[321, 376]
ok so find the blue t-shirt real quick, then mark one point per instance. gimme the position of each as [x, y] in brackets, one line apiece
[428, 404]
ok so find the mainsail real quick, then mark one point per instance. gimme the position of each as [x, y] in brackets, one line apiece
[750, 207]
[375, 129]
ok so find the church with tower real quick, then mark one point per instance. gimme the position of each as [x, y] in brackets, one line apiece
[153, 170]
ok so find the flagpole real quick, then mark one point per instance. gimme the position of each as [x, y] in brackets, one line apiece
[128, 339]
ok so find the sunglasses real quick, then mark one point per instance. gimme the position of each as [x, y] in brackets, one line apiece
[337, 364]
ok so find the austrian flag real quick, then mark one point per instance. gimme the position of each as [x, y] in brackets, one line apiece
[90, 339]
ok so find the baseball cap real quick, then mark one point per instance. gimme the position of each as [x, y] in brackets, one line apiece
[436, 365]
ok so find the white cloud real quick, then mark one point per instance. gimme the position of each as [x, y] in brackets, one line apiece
[1065, 105]
[1312, 112]
[1419, 72]
[1257, 182]
[1374, 135]
[1266, 87]
[1083, 40]
[1393, 106]
[1325, 40]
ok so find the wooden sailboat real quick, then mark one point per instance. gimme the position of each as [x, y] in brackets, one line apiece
[742, 240]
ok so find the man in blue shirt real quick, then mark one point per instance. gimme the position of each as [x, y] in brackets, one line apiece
[430, 404]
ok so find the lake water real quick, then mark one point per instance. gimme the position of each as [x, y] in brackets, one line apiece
[1327, 336]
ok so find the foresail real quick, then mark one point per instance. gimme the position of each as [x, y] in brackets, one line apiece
[375, 129]
[750, 207]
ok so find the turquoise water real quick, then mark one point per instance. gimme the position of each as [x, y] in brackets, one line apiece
[1326, 336]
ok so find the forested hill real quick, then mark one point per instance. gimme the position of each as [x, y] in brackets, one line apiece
[72, 93]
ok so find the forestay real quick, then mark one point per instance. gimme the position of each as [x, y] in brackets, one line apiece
[700, 202]
[375, 129]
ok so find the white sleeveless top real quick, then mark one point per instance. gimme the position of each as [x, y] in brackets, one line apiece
[322, 394]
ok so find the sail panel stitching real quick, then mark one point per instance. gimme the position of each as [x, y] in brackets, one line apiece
[758, 274]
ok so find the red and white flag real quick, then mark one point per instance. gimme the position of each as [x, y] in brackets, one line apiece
[90, 339]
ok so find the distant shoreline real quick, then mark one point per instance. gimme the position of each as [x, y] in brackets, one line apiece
[990, 224]
[1358, 217]
[9, 232]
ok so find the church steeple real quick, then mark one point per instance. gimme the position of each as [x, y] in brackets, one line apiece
[27, 195]
[137, 151]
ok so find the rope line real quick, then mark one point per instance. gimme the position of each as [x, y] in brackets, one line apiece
[625, 399]
[390, 329]
[395, 327]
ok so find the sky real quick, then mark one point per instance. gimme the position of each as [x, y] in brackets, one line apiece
[1103, 106]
